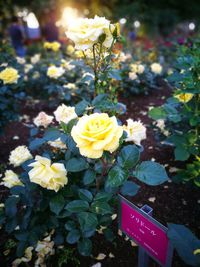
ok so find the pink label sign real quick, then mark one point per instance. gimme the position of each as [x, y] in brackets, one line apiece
[147, 232]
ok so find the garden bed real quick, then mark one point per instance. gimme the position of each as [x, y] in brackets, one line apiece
[171, 202]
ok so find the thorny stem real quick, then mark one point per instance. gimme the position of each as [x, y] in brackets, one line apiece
[95, 71]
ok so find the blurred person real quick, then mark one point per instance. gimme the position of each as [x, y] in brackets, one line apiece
[50, 30]
[17, 37]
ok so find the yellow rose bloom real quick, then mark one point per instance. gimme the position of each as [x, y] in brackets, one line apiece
[54, 46]
[50, 176]
[70, 49]
[96, 133]
[86, 32]
[9, 76]
[79, 54]
[11, 179]
[184, 98]
[19, 155]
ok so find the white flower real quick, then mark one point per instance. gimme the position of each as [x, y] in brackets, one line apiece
[65, 114]
[88, 74]
[140, 69]
[11, 179]
[57, 144]
[156, 68]
[20, 60]
[19, 155]
[85, 32]
[43, 119]
[160, 124]
[27, 257]
[132, 76]
[35, 59]
[55, 72]
[136, 131]
[67, 64]
[70, 86]
[27, 68]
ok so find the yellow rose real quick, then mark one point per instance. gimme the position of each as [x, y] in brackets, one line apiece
[55, 72]
[70, 49]
[156, 68]
[136, 131]
[19, 155]
[86, 32]
[47, 45]
[55, 46]
[11, 179]
[50, 176]
[96, 133]
[43, 119]
[65, 114]
[184, 98]
[9, 76]
[79, 54]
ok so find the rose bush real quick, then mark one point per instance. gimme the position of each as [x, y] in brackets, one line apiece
[181, 112]
[73, 191]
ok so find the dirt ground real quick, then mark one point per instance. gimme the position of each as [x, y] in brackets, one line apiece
[176, 203]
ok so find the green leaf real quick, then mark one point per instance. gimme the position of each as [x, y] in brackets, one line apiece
[109, 235]
[77, 206]
[85, 195]
[21, 248]
[128, 156]
[185, 243]
[89, 177]
[11, 206]
[57, 203]
[151, 173]
[68, 127]
[88, 221]
[80, 107]
[70, 225]
[129, 188]
[116, 177]
[181, 153]
[85, 247]
[157, 113]
[36, 143]
[76, 165]
[100, 207]
[103, 196]
[73, 236]
[17, 190]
